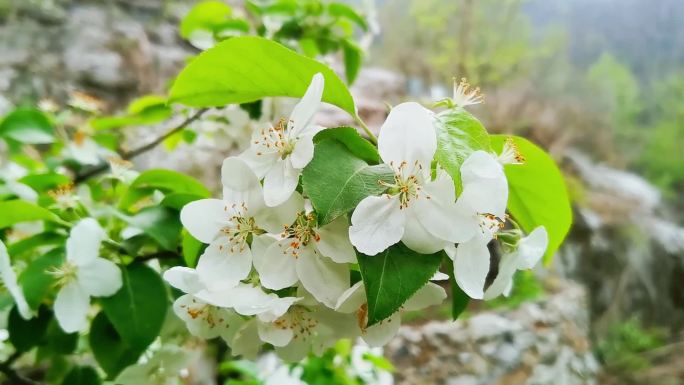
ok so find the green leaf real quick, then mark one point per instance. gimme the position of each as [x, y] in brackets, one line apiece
[137, 311]
[537, 193]
[191, 249]
[17, 211]
[354, 142]
[344, 10]
[178, 200]
[459, 134]
[166, 181]
[110, 350]
[149, 109]
[36, 281]
[26, 334]
[353, 55]
[45, 182]
[393, 276]
[27, 125]
[207, 15]
[34, 241]
[82, 375]
[246, 69]
[336, 181]
[160, 223]
[58, 342]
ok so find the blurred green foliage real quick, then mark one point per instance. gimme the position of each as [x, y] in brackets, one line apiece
[624, 346]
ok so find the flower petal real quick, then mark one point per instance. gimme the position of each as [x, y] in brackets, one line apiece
[83, 244]
[471, 266]
[184, 279]
[334, 241]
[274, 334]
[408, 135]
[240, 184]
[276, 266]
[383, 332]
[223, 265]
[71, 308]
[377, 223]
[504, 278]
[9, 278]
[303, 151]
[246, 342]
[204, 218]
[532, 248]
[429, 295]
[296, 350]
[437, 214]
[417, 237]
[274, 219]
[280, 182]
[201, 319]
[323, 278]
[352, 299]
[304, 111]
[99, 277]
[485, 187]
[260, 162]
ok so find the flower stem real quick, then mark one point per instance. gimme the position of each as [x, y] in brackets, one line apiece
[367, 130]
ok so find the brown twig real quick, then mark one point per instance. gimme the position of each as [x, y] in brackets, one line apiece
[140, 150]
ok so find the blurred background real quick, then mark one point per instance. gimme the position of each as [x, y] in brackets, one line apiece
[599, 83]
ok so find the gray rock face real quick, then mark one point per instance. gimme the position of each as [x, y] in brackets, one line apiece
[540, 343]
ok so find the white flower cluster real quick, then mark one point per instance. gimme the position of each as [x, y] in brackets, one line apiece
[271, 274]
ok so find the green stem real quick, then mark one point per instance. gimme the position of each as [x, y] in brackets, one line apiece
[367, 130]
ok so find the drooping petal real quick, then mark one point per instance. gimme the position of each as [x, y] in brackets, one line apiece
[184, 279]
[204, 218]
[259, 161]
[71, 308]
[22, 191]
[9, 278]
[83, 244]
[223, 265]
[532, 248]
[323, 278]
[99, 277]
[334, 241]
[377, 223]
[246, 342]
[280, 182]
[417, 237]
[274, 219]
[352, 299]
[275, 334]
[303, 151]
[485, 187]
[408, 135]
[429, 295]
[439, 276]
[303, 113]
[381, 333]
[240, 184]
[504, 279]
[233, 324]
[276, 266]
[248, 300]
[471, 266]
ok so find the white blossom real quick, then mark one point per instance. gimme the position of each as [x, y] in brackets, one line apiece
[164, 368]
[9, 279]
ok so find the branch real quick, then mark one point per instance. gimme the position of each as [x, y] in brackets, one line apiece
[140, 150]
[11, 374]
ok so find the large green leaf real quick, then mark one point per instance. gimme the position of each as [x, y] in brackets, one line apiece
[36, 280]
[82, 375]
[149, 109]
[17, 211]
[336, 181]
[27, 125]
[111, 351]
[25, 334]
[249, 68]
[166, 181]
[160, 223]
[46, 181]
[35, 241]
[343, 10]
[353, 56]
[393, 276]
[537, 193]
[355, 143]
[137, 311]
[459, 134]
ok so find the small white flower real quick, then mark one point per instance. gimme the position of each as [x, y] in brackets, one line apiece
[83, 149]
[415, 210]
[354, 301]
[84, 274]
[164, 368]
[315, 256]
[65, 197]
[9, 279]
[465, 94]
[527, 254]
[279, 153]
[122, 170]
[10, 172]
[481, 214]
[228, 224]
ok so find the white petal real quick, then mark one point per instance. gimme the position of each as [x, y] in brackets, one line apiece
[377, 223]
[260, 162]
[303, 151]
[408, 135]
[276, 266]
[223, 265]
[71, 308]
[240, 184]
[234, 323]
[439, 276]
[352, 299]
[280, 182]
[485, 187]
[246, 342]
[274, 219]
[504, 278]
[184, 279]
[417, 237]
[334, 241]
[273, 334]
[381, 333]
[480, 165]
[296, 350]
[199, 317]
[437, 214]
[277, 308]
[22, 191]
[99, 277]
[9, 278]
[429, 295]
[83, 244]
[303, 112]
[324, 279]
[471, 266]
[532, 248]
[204, 218]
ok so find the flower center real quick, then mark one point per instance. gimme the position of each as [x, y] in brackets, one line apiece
[64, 196]
[407, 183]
[276, 140]
[301, 232]
[465, 94]
[64, 274]
[240, 228]
[490, 224]
[510, 153]
[204, 312]
[299, 320]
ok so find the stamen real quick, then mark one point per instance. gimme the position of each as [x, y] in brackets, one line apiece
[465, 95]
[510, 154]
